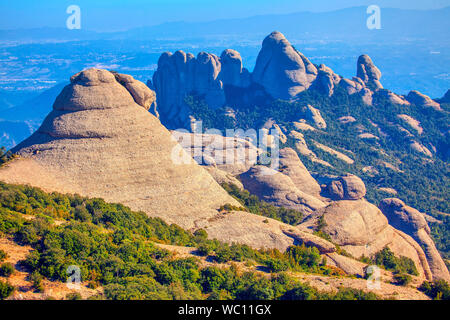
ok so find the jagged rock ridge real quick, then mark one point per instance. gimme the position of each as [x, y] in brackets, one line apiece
[281, 72]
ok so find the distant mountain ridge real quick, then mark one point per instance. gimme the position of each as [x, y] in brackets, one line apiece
[341, 24]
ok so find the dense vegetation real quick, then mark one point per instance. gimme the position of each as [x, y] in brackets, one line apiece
[5, 290]
[3, 255]
[389, 261]
[421, 182]
[115, 248]
[438, 290]
[441, 235]
[254, 205]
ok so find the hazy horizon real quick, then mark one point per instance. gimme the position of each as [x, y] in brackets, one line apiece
[119, 15]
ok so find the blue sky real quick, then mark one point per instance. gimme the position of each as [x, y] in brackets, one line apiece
[124, 14]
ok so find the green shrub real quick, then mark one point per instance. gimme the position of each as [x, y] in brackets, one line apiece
[114, 248]
[301, 292]
[5, 156]
[277, 265]
[204, 249]
[36, 281]
[5, 290]
[352, 294]
[6, 270]
[201, 234]
[254, 205]
[402, 279]
[73, 296]
[389, 261]
[305, 257]
[438, 289]
[3, 255]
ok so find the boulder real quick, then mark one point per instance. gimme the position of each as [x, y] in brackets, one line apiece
[366, 96]
[361, 229]
[346, 119]
[411, 122]
[141, 94]
[326, 80]
[278, 189]
[392, 97]
[354, 223]
[352, 86]
[420, 148]
[348, 187]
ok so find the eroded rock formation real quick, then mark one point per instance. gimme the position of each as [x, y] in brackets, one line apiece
[421, 100]
[278, 189]
[413, 223]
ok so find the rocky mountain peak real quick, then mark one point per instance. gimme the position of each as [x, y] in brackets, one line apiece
[281, 69]
[368, 72]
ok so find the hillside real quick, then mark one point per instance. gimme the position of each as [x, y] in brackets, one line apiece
[325, 177]
[126, 255]
[397, 144]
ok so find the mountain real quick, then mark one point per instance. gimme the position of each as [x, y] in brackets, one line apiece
[99, 140]
[132, 159]
[340, 24]
[397, 144]
[18, 122]
[281, 72]
[34, 109]
[321, 167]
[12, 132]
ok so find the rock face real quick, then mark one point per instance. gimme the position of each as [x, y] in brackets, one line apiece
[291, 166]
[411, 122]
[102, 143]
[361, 229]
[141, 94]
[413, 223]
[230, 154]
[421, 100]
[181, 74]
[278, 189]
[326, 80]
[313, 115]
[205, 76]
[392, 97]
[369, 73]
[348, 187]
[281, 70]
[354, 223]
